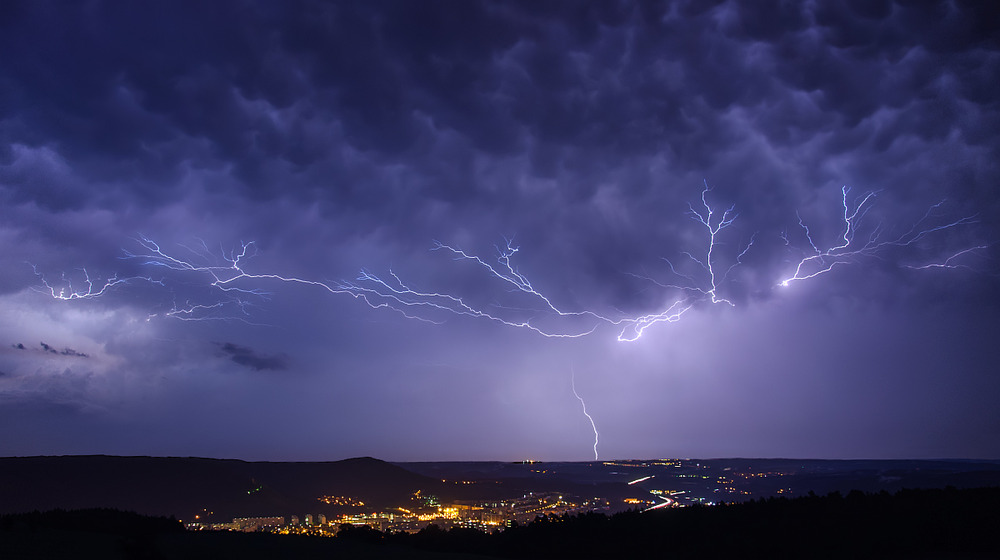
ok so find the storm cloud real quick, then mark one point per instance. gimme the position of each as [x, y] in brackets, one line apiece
[341, 136]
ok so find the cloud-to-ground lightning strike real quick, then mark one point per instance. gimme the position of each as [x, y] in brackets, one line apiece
[850, 248]
[585, 413]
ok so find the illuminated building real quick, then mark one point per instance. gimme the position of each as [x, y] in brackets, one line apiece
[251, 524]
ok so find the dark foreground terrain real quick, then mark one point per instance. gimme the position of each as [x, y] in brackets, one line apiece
[185, 486]
[219, 490]
[931, 523]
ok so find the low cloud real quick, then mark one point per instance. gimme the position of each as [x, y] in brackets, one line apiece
[63, 352]
[249, 358]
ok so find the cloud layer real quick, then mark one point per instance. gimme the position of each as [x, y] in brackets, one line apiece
[343, 136]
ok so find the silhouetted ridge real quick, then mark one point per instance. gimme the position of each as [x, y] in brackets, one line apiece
[185, 486]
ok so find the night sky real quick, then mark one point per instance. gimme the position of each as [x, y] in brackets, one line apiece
[341, 137]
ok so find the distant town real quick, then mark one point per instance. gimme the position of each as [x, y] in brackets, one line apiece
[648, 485]
[322, 498]
[421, 512]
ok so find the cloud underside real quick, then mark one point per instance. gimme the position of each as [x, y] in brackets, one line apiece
[174, 177]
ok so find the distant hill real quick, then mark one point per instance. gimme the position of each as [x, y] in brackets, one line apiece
[184, 487]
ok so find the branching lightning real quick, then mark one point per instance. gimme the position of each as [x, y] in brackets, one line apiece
[228, 279]
[225, 282]
[228, 290]
[630, 328]
[397, 293]
[233, 289]
[585, 413]
[66, 291]
[851, 248]
[705, 218]
[950, 261]
[635, 326]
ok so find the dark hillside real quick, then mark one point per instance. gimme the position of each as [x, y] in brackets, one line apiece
[185, 486]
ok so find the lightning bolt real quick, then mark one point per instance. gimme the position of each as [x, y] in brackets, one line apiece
[635, 326]
[949, 262]
[630, 328]
[224, 273]
[704, 217]
[397, 293]
[585, 413]
[849, 248]
[67, 292]
[232, 286]
[234, 290]
[229, 277]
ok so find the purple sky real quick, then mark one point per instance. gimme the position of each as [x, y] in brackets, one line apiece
[340, 137]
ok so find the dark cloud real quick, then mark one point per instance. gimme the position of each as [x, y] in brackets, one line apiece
[63, 352]
[249, 358]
